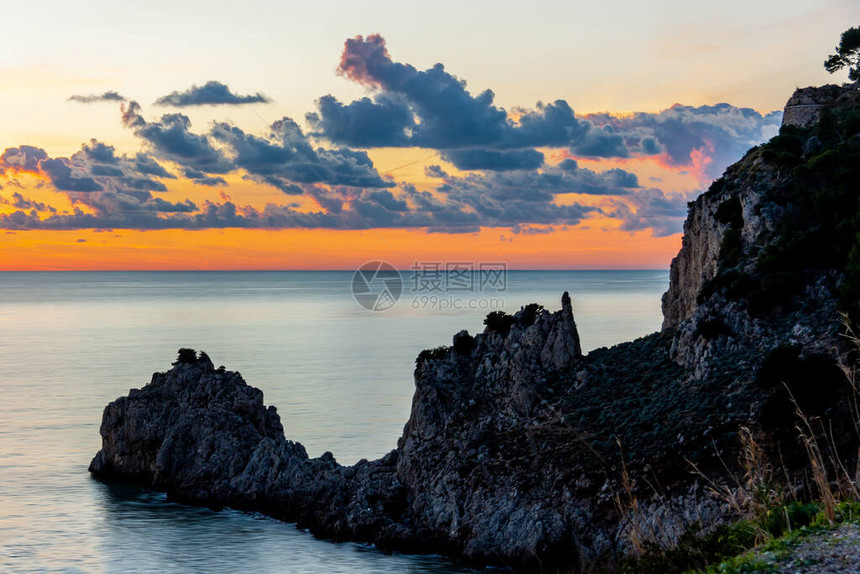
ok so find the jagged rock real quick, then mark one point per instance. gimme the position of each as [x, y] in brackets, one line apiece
[204, 436]
[715, 245]
[521, 451]
[562, 348]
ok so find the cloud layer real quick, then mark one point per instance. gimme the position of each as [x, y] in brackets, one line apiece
[109, 96]
[517, 169]
[434, 109]
[211, 93]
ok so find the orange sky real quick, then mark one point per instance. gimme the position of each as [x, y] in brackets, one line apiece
[600, 57]
[585, 247]
[596, 243]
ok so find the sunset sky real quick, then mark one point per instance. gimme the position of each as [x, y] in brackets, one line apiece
[320, 135]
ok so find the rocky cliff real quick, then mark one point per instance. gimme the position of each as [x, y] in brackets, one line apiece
[522, 452]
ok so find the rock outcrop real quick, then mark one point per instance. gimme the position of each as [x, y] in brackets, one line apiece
[204, 436]
[523, 452]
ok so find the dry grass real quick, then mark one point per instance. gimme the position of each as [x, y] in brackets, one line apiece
[757, 492]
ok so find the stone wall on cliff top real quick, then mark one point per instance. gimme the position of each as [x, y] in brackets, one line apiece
[804, 108]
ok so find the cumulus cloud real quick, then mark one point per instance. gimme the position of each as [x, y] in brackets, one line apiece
[108, 191]
[709, 138]
[23, 158]
[171, 139]
[435, 171]
[539, 186]
[19, 201]
[64, 179]
[114, 188]
[434, 109]
[508, 180]
[652, 209]
[109, 96]
[388, 121]
[211, 93]
[284, 158]
[494, 160]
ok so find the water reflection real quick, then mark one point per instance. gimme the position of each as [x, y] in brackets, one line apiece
[142, 531]
[340, 376]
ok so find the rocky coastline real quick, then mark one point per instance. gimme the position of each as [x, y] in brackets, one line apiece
[522, 452]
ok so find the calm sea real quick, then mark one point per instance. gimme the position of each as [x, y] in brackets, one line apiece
[340, 375]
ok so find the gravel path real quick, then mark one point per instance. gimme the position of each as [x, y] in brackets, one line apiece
[837, 551]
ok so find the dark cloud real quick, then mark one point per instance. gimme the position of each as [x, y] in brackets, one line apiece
[107, 170]
[19, 201]
[450, 117]
[603, 142]
[518, 198]
[457, 206]
[99, 152]
[111, 172]
[109, 96]
[507, 184]
[146, 165]
[494, 160]
[22, 158]
[163, 206]
[708, 137]
[435, 171]
[131, 117]
[212, 93]
[652, 209]
[364, 123]
[171, 139]
[434, 109]
[565, 178]
[63, 177]
[113, 188]
[201, 178]
[286, 158]
[531, 230]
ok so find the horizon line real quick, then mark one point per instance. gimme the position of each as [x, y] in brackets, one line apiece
[518, 269]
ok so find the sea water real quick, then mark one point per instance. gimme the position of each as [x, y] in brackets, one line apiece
[340, 375]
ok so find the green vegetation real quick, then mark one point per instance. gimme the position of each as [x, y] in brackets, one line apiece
[463, 344]
[529, 314]
[812, 383]
[776, 510]
[186, 356]
[847, 54]
[779, 547]
[712, 328]
[499, 322]
[725, 549]
[432, 354]
[730, 212]
[820, 229]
